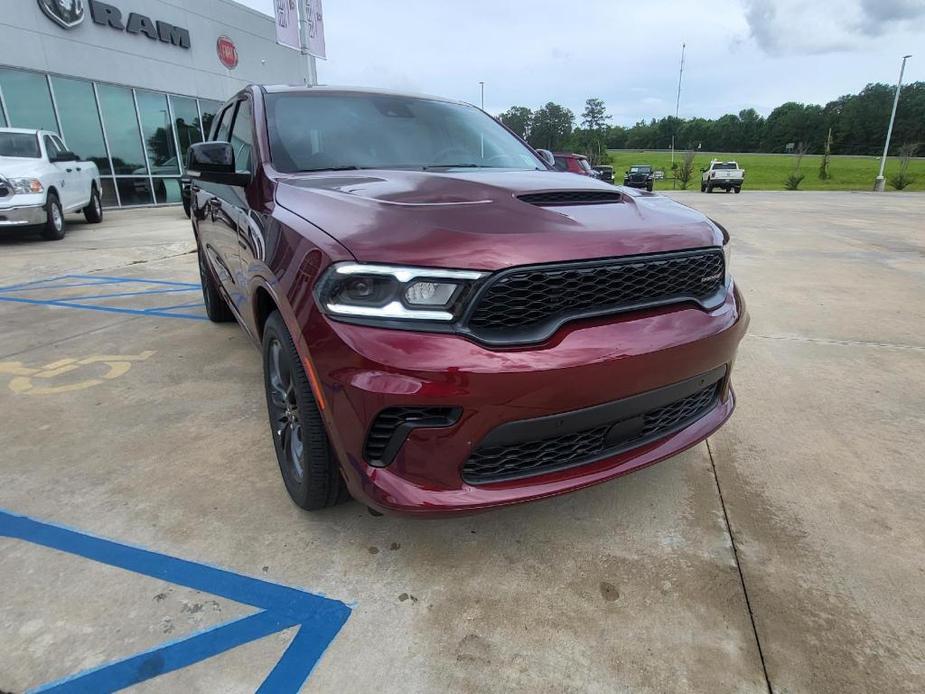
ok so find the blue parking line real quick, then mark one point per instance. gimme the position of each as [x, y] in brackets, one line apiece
[141, 280]
[319, 618]
[104, 309]
[33, 283]
[140, 292]
[171, 308]
[41, 287]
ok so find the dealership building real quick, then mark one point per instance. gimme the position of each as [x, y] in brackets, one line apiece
[131, 84]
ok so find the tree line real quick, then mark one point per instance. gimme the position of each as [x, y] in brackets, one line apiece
[858, 125]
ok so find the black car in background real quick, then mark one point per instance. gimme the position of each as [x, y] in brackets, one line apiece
[639, 176]
[605, 173]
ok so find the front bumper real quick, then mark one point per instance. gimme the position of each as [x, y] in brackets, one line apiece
[20, 216]
[364, 370]
[636, 184]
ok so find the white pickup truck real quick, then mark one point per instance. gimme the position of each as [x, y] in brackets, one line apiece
[721, 174]
[41, 180]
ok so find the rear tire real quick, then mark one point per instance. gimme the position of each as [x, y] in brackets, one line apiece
[216, 308]
[309, 469]
[93, 212]
[737, 189]
[54, 221]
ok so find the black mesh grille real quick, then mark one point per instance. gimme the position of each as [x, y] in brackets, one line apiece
[571, 197]
[385, 424]
[558, 452]
[530, 299]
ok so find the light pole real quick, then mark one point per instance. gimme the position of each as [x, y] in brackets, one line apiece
[677, 103]
[482, 85]
[878, 183]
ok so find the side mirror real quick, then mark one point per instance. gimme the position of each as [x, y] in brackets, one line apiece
[213, 162]
[547, 157]
[702, 170]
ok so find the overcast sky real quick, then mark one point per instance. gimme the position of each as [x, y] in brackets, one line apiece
[740, 53]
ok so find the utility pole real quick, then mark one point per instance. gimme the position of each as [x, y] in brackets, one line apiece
[482, 84]
[879, 182]
[677, 103]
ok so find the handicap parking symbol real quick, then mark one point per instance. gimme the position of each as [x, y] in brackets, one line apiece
[280, 607]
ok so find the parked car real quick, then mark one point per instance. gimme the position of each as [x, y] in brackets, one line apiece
[721, 174]
[447, 324]
[41, 181]
[574, 163]
[639, 176]
[604, 173]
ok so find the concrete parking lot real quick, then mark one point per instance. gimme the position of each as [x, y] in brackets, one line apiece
[786, 554]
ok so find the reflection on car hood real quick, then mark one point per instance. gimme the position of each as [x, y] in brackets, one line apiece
[474, 219]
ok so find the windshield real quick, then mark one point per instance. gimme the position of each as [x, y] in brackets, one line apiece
[640, 169]
[19, 145]
[367, 131]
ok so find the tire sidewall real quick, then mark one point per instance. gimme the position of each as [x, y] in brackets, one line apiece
[316, 452]
[50, 231]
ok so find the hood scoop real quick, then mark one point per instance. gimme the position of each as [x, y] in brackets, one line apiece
[558, 198]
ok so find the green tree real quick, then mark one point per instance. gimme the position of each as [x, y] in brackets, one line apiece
[551, 126]
[519, 119]
[595, 115]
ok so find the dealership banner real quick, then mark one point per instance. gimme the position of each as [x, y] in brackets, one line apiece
[314, 28]
[287, 24]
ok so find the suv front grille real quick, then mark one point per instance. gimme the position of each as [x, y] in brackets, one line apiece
[540, 455]
[524, 305]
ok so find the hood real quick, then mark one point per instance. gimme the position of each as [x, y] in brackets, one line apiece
[18, 167]
[476, 219]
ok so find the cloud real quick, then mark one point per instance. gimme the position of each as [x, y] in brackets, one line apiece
[880, 16]
[797, 27]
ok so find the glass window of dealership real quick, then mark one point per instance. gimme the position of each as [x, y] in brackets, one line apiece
[137, 138]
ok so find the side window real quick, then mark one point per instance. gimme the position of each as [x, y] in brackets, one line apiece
[223, 126]
[242, 137]
[59, 143]
[561, 164]
[50, 147]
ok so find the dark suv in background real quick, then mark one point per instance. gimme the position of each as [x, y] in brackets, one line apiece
[448, 325]
[639, 176]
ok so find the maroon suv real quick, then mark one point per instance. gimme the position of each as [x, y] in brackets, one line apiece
[447, 324]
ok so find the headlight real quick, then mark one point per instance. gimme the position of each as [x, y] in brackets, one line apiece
[392, 292]
[27, 186]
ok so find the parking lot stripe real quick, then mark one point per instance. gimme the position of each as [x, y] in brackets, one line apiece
[319, 618]
[105, 309]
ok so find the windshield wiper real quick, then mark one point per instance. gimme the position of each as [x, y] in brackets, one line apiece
[455, 166]
[352, 167]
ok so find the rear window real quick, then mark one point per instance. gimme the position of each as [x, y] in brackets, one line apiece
[726, 165]
[20, 145]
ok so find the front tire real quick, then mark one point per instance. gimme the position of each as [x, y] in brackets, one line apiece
[308, 467]
[54, 222]
[93, 212]
[649, 187]
[703, 187]
[737, 189]
[216, 308]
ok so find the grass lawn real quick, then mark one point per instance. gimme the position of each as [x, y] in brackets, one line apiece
[769, 171]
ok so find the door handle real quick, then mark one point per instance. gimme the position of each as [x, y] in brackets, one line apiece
[78, 168]
[69, 170]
